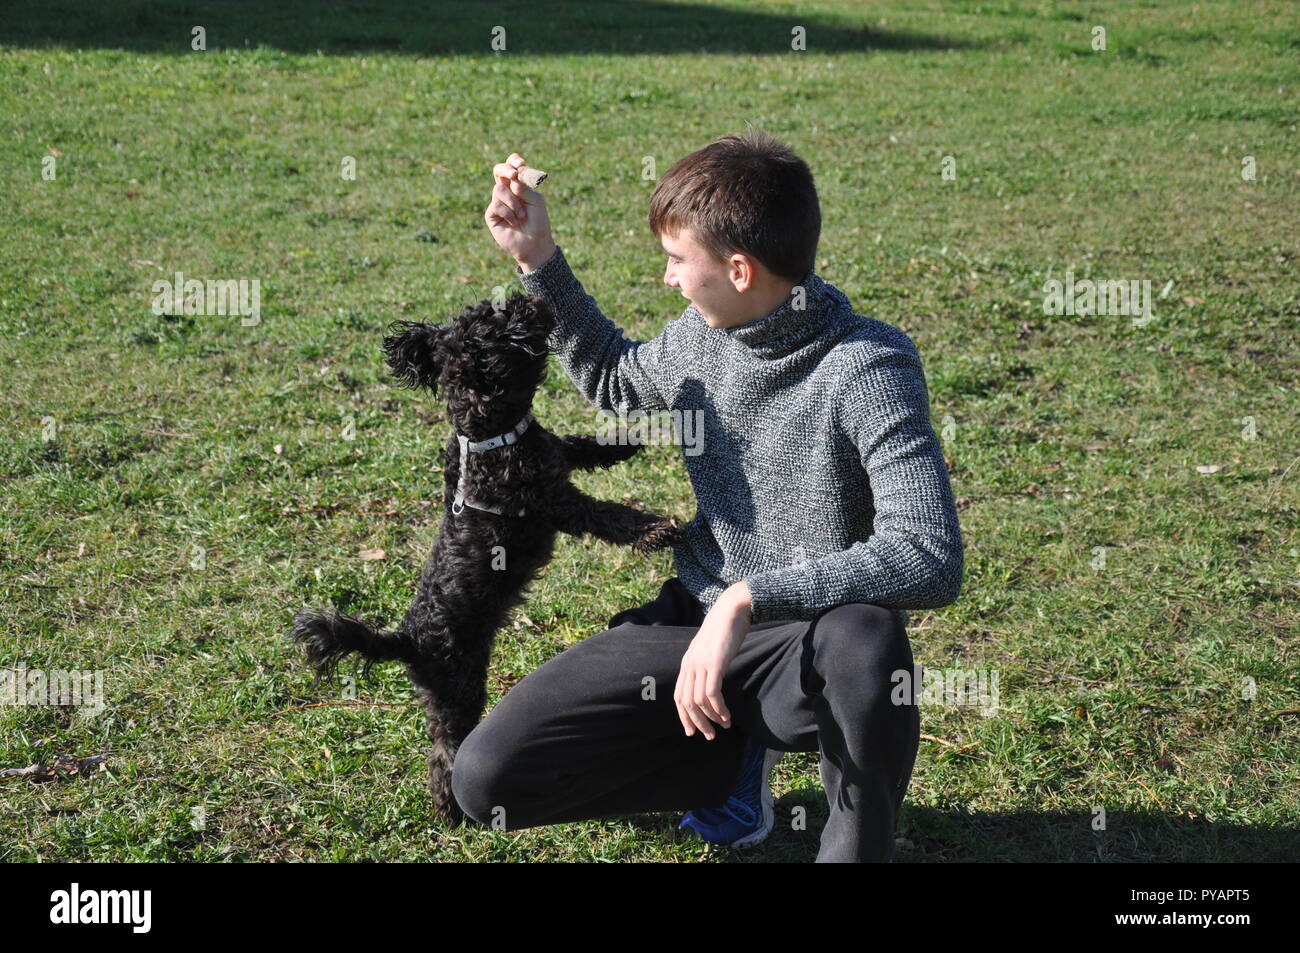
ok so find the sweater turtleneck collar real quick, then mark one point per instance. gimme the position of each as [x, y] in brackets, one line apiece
[788, 328]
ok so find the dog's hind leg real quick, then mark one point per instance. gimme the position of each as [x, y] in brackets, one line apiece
[453, 697]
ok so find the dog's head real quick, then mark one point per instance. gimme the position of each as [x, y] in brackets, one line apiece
[483, 355]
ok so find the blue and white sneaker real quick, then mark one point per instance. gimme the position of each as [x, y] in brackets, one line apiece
[746, 818]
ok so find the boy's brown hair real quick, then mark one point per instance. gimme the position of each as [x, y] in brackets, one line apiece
[744, 192]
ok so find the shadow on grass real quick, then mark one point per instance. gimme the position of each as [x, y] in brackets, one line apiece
[437, 28]
[939, 836]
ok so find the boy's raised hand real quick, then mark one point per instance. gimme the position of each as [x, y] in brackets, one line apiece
[517, 216]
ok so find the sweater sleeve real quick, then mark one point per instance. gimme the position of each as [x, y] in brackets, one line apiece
[616, 375]
[914, 556]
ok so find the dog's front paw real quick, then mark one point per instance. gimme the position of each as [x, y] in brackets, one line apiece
[624, 448]
[659, 535]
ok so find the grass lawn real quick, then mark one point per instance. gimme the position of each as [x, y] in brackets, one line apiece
[172, 489]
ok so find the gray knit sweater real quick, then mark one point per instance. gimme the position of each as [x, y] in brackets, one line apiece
[820, 480]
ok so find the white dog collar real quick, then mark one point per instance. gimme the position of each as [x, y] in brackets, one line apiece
[467, 447]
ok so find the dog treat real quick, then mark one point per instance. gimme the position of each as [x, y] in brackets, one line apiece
[531, 177]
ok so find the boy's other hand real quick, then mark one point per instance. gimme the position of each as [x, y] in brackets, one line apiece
[517, 216]
[698, 692]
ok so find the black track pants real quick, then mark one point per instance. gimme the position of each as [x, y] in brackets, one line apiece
[594, 732]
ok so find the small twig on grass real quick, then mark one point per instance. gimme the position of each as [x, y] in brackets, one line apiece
[1269, 502]
[168, 433]
[955, 747]
[349, 703]
[44, 772]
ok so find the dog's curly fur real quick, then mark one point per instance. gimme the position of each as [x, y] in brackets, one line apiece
[489, 364]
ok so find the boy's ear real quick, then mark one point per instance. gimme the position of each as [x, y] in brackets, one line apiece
[414, 352]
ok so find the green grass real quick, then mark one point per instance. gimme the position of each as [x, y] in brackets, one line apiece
[1121, 686]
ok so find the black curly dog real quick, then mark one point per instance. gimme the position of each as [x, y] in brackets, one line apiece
[499, 526]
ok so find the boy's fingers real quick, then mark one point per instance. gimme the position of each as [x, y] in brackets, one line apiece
[502, 213]
[701, 700]
[702, 721]
[709, 708]
[510, 167]
[681, 708]
[713, 695]
[693, 709]
[509, 187]
[698, 720]
[509, 200]
[504, 172]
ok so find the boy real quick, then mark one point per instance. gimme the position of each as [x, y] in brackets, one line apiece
[824, 511]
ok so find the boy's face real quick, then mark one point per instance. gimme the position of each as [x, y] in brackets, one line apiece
[703, 281]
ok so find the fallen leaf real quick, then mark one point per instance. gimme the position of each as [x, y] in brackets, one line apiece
[1095, 446]
[372, 554]
[1189, 299]
[55, 152]
[1209, 468]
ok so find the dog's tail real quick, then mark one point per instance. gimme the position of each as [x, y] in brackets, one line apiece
[329, 637]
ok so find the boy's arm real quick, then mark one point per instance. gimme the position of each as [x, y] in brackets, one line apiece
[614, 374]
[914, 557]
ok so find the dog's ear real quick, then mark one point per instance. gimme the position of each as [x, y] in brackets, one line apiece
[414, 352]
[531, 318]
